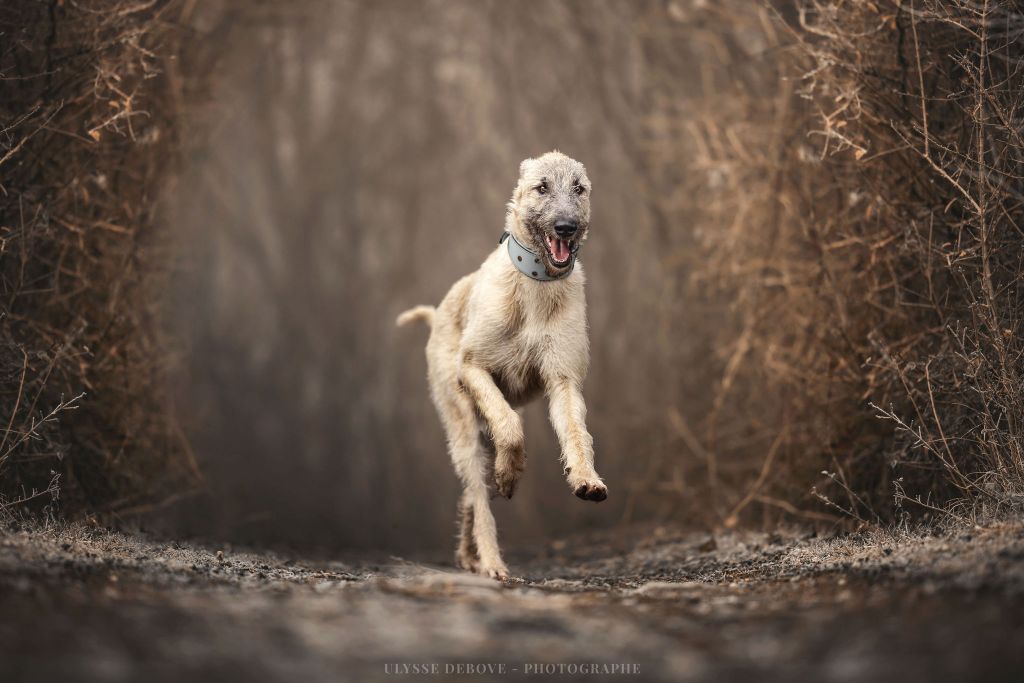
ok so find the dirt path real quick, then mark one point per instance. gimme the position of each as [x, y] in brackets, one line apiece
[81, 604]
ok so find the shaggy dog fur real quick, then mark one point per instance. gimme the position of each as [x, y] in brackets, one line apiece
[499, 339]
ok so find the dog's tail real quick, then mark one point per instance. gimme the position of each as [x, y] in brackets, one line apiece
[425, 313]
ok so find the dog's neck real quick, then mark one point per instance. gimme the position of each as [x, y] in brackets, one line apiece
[529, 263]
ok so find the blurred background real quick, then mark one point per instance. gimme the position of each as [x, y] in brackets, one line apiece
[804, 279]
[360, 161]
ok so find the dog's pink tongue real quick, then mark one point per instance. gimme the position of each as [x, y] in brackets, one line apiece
[561, 250]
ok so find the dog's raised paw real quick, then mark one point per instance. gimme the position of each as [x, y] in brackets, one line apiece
[507, 470]
[591, 490]
[505, 481]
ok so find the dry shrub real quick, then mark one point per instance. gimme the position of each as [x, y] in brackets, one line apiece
[874, 264]
[89, 110]
[871, 262]
[721, 146]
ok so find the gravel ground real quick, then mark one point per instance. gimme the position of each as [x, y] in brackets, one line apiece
[90, 604]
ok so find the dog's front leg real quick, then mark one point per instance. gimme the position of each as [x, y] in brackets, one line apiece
[505, 425]
[568, 416]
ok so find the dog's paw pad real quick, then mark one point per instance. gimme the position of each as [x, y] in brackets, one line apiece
[595, 491]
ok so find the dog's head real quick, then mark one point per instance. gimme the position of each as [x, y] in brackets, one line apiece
[550, 208]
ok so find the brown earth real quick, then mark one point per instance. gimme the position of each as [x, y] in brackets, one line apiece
[81, 603]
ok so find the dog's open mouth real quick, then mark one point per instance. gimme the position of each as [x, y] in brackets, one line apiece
[559, 250]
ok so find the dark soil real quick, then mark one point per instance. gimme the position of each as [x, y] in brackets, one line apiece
[80, 603]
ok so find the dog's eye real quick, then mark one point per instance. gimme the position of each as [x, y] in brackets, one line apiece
[579, 189]
[542, 188]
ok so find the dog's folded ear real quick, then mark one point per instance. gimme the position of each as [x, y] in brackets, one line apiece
[524, 167]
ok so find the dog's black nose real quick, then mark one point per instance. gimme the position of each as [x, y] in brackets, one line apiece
[566, 227]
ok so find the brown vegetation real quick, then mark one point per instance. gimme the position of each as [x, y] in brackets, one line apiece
[821, 270]
[873, 257]
[90, 110]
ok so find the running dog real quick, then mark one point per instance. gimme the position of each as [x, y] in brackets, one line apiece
[505, 334]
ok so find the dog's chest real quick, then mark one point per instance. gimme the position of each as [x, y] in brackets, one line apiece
[517, 373]
[523, 332]
[525, 342]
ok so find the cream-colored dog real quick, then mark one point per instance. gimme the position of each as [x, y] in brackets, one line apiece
[504, 334]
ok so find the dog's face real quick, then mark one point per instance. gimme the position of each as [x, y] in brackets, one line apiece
[551, 207]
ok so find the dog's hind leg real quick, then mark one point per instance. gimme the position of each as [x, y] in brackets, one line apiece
[466, 556]
[463, 441]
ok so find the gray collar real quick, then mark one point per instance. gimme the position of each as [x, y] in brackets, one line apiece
[529, 263]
